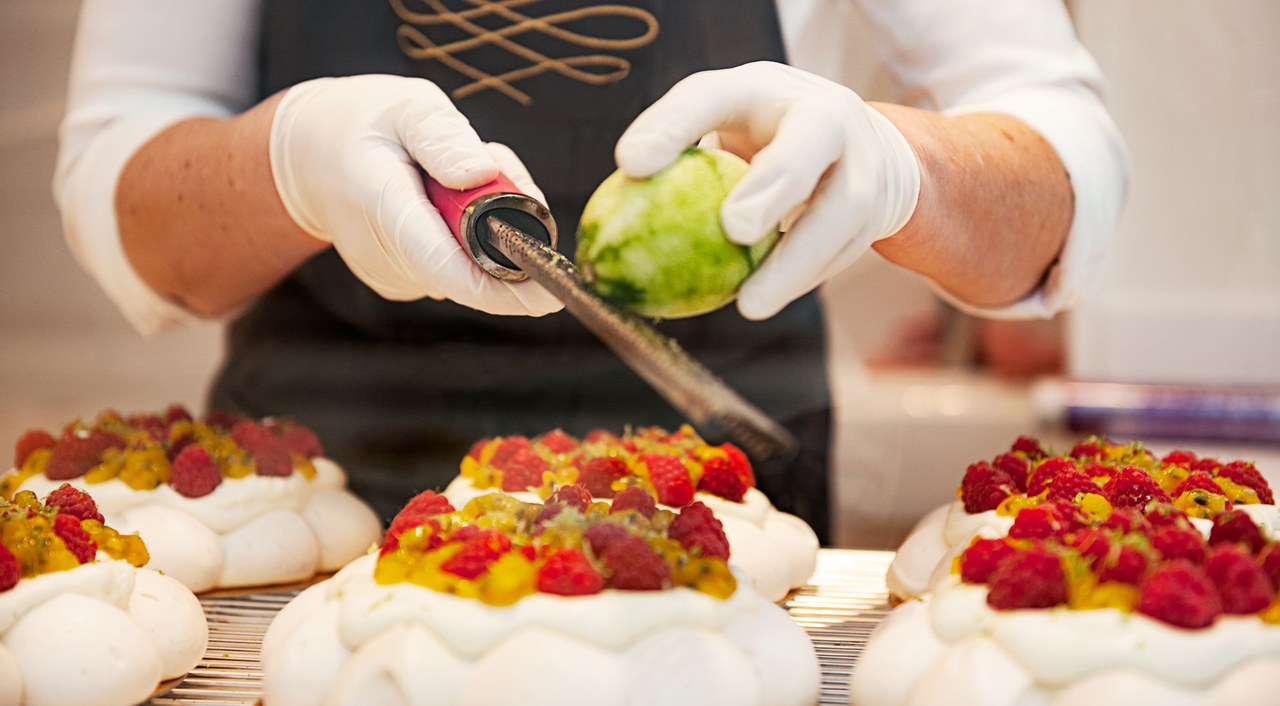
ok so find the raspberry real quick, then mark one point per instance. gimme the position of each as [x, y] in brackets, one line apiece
[31, 440]
[1134, 487]
[1126, 520]
[568, 572]
[522, 470]
[603, 535]
[1093, 469]
[417, 512]
[719, 478]
[634, 499]
[474, 452]
[598, 474]
[1197, 481]
[1070, 484]
[10, 569]
[982, 557]
[270, 455]
[1235, 526]
[1167, 515]
[177, 445]
[1179, 457]
[1124, 564]
[1181, 595]
[152, 424]
[601, 436]
[1028, 579]
[1043, 521]
[301, 440]
[1206, 464]
[1090, 448]
[1028, 446]
[1173, 543]
[221, 419]
[696, 527]
[176, 413]
[1092, 544]
[1269, 559]
[78, 541]
[507, 448]
[72, 457]
[741, 464]
[1016, 467]
[427, 503]
[574, 496]
[1242, 584]
[558, 442]
[1044, 474]
[478, 553]
[983, 488]
[1243, 473]
[74, 502]
[632, 565]
[670, 478]
[193, 474]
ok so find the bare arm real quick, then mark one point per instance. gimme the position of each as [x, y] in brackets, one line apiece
[995, 205]
[199, 216]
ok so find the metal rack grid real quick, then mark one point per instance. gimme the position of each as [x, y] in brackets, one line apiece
[842, 604]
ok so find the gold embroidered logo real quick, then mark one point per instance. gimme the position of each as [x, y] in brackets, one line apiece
[595, 69]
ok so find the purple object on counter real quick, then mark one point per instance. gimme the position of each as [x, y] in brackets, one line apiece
[1147, 411]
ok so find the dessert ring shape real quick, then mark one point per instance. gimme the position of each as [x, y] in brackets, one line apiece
[251, 531]
[349, 641]
[101, 634]
[950, 647]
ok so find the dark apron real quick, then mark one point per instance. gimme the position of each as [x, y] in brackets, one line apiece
[398, 391]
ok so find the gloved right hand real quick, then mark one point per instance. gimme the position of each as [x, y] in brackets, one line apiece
[344, 155]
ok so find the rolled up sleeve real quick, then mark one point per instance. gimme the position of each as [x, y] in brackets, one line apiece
[139, 67]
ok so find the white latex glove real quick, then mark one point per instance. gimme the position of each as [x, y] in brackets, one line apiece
[344, 154]
[813, 145]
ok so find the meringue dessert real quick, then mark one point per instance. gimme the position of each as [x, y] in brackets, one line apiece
[80, 623]
[221, 502]
[1096, 475]
[777, 550]
[569, 602]
[1131, 606]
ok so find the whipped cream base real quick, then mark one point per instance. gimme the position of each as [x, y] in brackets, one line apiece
[951, 647]
[251, 531]
[352, 641]
[101, 634]
[777, 550]
[924, 559]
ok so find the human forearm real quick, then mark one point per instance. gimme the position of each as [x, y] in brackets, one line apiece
[199, 217]
[995, 205]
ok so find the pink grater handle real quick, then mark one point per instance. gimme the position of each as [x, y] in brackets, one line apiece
[452, 203]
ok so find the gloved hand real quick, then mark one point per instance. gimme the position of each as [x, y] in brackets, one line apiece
[344, 153]
[816, 151]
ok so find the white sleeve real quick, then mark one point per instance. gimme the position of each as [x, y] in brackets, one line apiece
[138, 67]
[1020, 58]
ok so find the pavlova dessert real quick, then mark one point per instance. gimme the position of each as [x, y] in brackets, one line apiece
[777, 550]
[508, 602]
[221, 502]
[1123, 605]
[80, 623]
[1095, 476]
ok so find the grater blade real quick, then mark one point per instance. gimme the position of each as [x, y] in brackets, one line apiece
[711, 406]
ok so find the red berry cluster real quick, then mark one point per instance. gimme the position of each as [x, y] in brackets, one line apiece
[61, 532]
[567, 546]
[197, 454]
[671, 466]
[1056, 555]
[1126, 475]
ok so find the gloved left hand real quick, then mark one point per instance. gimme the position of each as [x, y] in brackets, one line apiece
[816, 150]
